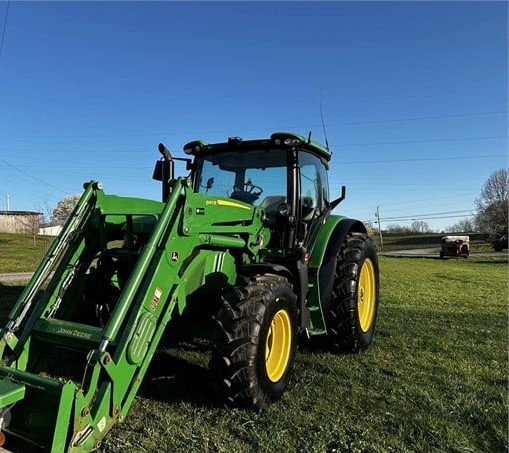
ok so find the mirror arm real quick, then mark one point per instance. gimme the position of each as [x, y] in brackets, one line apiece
[335, 202]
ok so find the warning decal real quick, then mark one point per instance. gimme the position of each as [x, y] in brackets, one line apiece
[155, 298]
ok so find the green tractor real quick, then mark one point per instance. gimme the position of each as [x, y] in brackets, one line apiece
[244, 252]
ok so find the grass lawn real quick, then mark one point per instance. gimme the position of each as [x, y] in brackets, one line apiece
[434, 380]
[21, 253]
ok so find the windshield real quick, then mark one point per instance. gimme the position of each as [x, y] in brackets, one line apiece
[253, 176]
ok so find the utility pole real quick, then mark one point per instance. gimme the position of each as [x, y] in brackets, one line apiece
[377, 214]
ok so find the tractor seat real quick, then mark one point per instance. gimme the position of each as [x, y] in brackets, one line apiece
[308, 209]
[271, 204]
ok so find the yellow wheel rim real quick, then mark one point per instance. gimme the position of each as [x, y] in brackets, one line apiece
[366, 295]
[278, 345]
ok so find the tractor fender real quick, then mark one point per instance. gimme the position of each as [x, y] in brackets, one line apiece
[323, 254]
[330, 237]
[299, 280]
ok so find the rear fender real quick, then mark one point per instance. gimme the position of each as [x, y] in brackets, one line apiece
[322, 266]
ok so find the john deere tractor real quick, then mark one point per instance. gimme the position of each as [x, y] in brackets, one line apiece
[244, 251]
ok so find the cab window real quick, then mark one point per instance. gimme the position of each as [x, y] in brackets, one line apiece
[313, 186]
[257, 176]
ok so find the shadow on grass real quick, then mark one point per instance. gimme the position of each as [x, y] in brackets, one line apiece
[472, 259]
[168, 379]
[8, 296]
[420, 257]
[320, 345]
[497, 260]
[171, 379]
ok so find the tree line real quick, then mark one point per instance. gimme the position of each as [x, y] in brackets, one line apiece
[490, 217]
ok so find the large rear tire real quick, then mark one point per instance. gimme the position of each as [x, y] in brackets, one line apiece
[254, 341]
[352, 314]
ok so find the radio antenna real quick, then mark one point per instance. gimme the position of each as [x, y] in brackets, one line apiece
[323, 123]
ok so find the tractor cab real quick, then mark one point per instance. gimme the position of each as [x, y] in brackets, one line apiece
[286, 175]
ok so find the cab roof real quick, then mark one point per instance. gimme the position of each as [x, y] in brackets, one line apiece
[283, 140]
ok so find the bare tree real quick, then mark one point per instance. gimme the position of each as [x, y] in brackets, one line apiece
[44, 208]
[398, 229]
[31, 224]
[420, 226]
[465, 225]
[493, 203]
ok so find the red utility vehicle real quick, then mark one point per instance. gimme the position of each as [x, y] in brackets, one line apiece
[500, 243]
[455, 246]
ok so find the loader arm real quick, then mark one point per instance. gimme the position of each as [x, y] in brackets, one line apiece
[46, 408]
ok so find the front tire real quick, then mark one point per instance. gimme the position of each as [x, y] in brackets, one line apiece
[353, 310]
[254, 341]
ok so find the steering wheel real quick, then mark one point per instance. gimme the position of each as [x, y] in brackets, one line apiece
[253, 189]
[248, 194]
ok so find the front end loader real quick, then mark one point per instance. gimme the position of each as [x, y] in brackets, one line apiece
[244, 251]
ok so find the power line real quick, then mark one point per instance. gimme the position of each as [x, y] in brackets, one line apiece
[429, 216]
[437, 218]
[4, 28]
[420, 218]
[459, 139]
[33, 177]
[140, 152]
[422, 159]
[204, 132]
[416, 118]
[411, 217]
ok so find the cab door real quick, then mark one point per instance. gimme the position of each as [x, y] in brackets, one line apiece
[314, 195]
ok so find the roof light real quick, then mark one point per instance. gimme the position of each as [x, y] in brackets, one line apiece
[195, 147]
[188, 150]
[291, 141]
[287, 139]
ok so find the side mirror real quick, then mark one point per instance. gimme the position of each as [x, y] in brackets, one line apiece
[158, 171]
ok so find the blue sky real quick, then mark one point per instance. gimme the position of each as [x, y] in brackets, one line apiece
[414, 95]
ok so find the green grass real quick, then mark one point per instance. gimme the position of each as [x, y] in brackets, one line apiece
[21, 253]
[434, 380]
